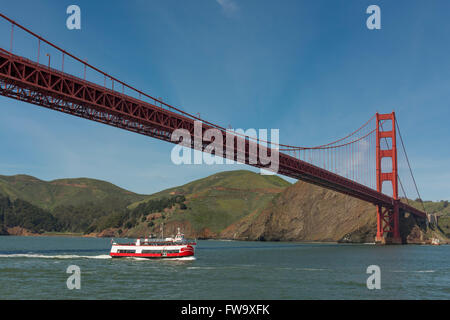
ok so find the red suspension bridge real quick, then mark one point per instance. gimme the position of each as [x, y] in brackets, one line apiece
[356, 165]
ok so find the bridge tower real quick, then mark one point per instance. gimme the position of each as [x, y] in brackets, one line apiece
[388, 231]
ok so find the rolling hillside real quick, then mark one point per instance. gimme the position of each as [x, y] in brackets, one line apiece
[77, 204]
[207, 206]
[212, 203]
[230, 205]
[63, 192]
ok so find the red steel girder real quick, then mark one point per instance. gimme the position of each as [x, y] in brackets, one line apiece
[34, 83]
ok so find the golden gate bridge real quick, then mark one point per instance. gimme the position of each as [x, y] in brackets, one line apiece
[357, 165]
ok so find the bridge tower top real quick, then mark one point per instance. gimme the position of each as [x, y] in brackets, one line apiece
[386, 153]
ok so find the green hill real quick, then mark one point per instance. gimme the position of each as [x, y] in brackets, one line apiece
[230, 180]
[233, 204]
[202, 207]
[22, 214]
[212, 203]
[63, 192]
[77, 204]
[441, 207]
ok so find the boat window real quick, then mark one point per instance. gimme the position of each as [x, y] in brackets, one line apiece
[126, 251]
[160, 251]
[151, 251]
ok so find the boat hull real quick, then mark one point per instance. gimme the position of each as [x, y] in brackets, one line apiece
[152, 256]
[152, 251]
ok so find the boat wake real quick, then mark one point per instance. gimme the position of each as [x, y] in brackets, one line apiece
[60, 256]
[183, 259]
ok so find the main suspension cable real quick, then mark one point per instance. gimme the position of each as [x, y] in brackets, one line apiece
[409, 165]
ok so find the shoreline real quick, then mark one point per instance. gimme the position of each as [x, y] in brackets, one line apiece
[80, 235]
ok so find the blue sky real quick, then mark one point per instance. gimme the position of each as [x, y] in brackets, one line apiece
[310, 68]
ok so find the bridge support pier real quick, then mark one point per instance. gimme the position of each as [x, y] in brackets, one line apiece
[388, 229]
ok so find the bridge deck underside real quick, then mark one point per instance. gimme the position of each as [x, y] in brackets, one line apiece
[34, 83]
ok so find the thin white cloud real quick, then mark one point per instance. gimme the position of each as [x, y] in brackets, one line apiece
[229, 7]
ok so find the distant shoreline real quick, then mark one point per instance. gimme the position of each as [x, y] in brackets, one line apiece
[81, 235]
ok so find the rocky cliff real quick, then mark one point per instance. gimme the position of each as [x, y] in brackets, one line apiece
[304, 212]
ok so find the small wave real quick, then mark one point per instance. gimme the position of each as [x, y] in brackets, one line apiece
[196, 268]
[184, 259]
[415, 271]
[311, 269]
[137, 258]
[164, 259]
[303, 269]
[61, 256]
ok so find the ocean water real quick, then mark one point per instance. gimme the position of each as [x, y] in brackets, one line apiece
[35, 268]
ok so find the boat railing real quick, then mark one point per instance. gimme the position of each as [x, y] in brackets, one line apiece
[157, 243]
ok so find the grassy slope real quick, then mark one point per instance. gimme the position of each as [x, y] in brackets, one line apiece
[219, 200]
[432, 207]
[50, 194]
[214, 203]
[439, 207]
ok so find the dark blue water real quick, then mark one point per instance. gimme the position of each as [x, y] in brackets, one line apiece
[35, 268]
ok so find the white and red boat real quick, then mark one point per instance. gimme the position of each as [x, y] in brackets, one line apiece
[155, 248]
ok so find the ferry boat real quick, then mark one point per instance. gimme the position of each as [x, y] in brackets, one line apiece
[435, 241]
[155, 248]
